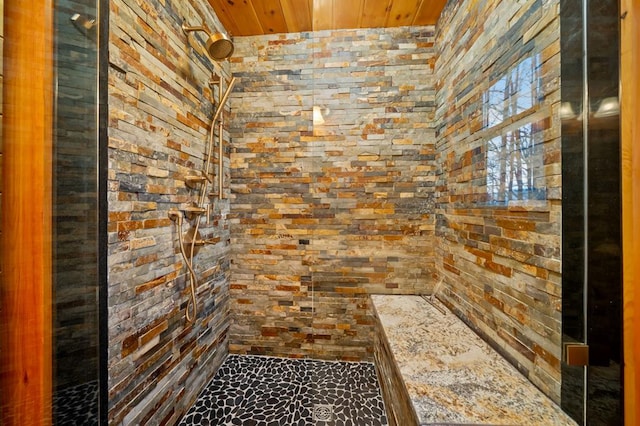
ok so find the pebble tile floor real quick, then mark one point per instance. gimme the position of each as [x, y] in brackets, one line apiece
[77, 405]
[265, 391]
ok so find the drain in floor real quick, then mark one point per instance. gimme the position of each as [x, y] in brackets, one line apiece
[322, 413]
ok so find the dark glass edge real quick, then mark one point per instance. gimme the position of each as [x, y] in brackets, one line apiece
[103, 164]
[572, 383]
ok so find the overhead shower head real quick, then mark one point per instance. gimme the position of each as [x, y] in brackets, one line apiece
[219, 46]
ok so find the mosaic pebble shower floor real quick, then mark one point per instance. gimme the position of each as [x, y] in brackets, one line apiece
[76, 405]
[256, 390]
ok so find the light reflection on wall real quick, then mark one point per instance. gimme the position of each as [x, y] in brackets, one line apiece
[514, 158]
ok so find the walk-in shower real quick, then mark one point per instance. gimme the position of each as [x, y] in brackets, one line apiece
[219, 47]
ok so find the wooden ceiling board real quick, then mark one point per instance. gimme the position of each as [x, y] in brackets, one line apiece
[297, 15]
[270, 15]
[429, 12]
[322, 14]
[347, 13]
[374, 13]
[240, 15]
[259, 17]
[402, 12]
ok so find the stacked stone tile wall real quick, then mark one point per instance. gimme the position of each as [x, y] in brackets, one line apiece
[499, 251]
[160, 106]
[326, 211]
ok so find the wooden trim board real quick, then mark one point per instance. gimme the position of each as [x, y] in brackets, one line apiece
[25, 317]
[630, 108]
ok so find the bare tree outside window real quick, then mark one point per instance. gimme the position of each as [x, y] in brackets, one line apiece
[514, 157]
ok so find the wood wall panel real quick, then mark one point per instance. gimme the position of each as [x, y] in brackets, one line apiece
[269, 13]
[1, 80]
[630, 107]
[429, 11]
[297, 14]
[402, 12]
[375, 13]
[347, 13]
[25, 321]
[239, 18]
[322, 14]
[259, 17]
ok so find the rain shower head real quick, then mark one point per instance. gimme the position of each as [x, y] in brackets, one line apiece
[219, 46]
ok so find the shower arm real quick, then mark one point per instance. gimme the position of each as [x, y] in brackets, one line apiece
[188, 29]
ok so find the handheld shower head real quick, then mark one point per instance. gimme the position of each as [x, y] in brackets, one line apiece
[219, 46]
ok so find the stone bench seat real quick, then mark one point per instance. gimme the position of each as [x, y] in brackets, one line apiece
[436, 370]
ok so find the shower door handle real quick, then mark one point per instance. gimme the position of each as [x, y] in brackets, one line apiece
[576, 354]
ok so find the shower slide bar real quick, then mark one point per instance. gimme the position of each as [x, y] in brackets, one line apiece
[219, 47]
[196, 210]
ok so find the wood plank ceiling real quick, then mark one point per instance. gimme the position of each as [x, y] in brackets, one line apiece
[259, 17]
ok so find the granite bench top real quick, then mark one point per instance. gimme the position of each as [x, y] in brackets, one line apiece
[452, 375]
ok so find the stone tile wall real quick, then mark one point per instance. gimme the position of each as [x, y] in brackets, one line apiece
[400, 409]
[325, 212]
[499, 255]
[160, 105]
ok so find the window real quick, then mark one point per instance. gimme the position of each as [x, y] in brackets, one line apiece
[514, 168]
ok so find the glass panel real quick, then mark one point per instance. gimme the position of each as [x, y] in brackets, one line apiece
[604, 333]
[571, 16]
[75, 209]
[591, 225]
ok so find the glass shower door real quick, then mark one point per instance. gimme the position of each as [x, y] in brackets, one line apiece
[592, 280]
[75, 214]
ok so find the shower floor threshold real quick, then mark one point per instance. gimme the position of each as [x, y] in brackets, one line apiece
[257, 390]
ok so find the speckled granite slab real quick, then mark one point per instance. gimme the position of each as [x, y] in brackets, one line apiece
[452, 375]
